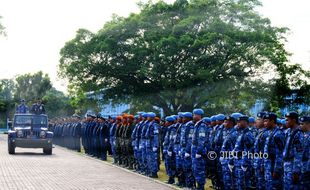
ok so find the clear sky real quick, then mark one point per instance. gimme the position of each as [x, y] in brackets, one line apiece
[38, 29]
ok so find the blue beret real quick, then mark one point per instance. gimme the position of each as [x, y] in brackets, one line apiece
[220, 117]
[198, 111]
[304, 119]
[251, 119]
[213, 118]
[188, 115]
[283, 121]
[292, 115]
[206, 120]
[261, 114]
[137, 116]
[151, 114]
[170, 119]
[175, 117]
[270, 115]
[140, 112]
[180, 114]
[145, 114]
[236, 115]
[113, 117]
[243, 118]
[279, 121]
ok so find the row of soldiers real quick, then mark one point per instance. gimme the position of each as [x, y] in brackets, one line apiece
[67, 132]
[235, 151]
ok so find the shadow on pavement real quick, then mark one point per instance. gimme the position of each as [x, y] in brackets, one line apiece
[31, 154]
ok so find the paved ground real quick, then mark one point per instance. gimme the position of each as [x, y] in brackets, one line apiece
[31, 169]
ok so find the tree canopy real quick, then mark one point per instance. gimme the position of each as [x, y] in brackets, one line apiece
[167, 54]
[32, 86]
[57, 103]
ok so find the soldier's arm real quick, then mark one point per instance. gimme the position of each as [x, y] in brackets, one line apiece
[248, 143]
[133, 134]
[298, 152]
[279, 143]
[155, 136]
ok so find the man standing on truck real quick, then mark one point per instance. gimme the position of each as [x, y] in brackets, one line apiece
[38, 108]
[22, 107]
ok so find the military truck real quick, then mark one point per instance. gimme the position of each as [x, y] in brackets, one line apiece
[30, 131]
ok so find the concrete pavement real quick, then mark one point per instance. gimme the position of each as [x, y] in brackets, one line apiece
[31, 169]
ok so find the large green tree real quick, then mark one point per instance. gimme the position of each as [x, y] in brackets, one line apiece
[176, 56]
[57, 104]
[6, 94]
[32, 86]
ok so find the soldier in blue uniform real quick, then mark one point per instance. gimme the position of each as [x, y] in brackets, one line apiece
[259, 143]
[286, 130]
[95, 138]
[217, 145]
[84, 127]
[141, 143]
[236, 116]
[22, 107]
[230, 137]
[211, 164]
[305, 171]
[168, 149]
[274, 145]
[163, 131]
[254, 131]
[293, 153]
[200, 144]
[89, 122]
[89, 133]
[103, 131]
[252, 126]
[207, 121]
[152, 146]
[114, 121]
[177, 151]
[241, 163]
[135, 140]
[38, 108]
[186, 143]
[77, 133]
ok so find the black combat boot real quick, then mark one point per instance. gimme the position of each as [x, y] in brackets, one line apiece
[171, 180]
[154, 175]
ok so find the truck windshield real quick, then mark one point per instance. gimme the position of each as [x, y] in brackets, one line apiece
[28, 120]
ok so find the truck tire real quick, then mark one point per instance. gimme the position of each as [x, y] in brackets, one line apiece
[11, 148]
[48, 151]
